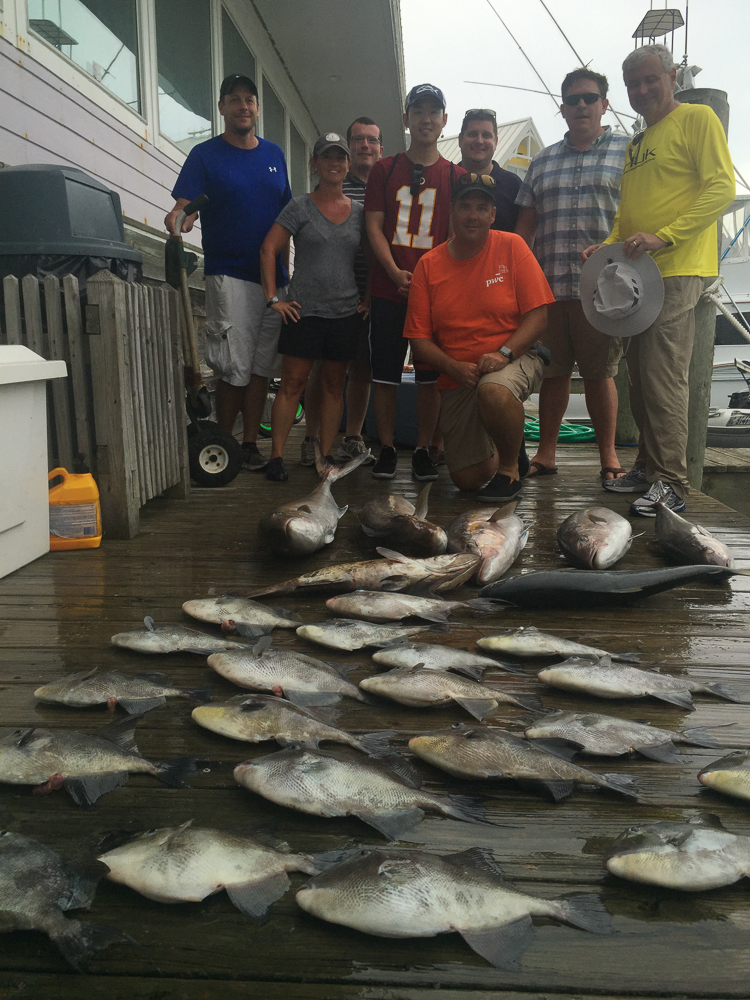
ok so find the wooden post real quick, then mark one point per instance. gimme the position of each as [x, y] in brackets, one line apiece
[32, 314]
[626, 431]
[113, 405]
[78, 379]
[60, 398]
[181, 491]
[13, 324]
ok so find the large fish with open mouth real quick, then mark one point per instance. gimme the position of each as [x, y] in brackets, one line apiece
[403, 526]
[86, 765]
[527, 641]
[413, 894]
[607, 736]
[393, 572]
[692, 856]
[172, 639]
[689, 542]
[595, 538]
[498, 537]
[604, 679]
[339, 783]
[376, 606]
[185, 864]
[581, 588]
[36, 889]
[480, 753]
[301, 527]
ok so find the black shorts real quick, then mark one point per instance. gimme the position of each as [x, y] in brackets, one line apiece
[322, 339]
[388, 345]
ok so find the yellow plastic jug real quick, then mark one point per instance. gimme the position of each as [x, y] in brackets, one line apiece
[75, 520]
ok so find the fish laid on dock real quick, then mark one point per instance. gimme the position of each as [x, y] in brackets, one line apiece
[302, 679]
[393, 572]
[607, 736]
[595, 538]
[376, 606]
[172, 639]
[402, 526]
[689, 542]
[347, 634]
[528, 641]
[434, 657]
[580, 588]
[256, 718]
[607, 680]
[136, 694]
[185, 864]
[37, 887]
[419, 687]
[301, 527]
[86, 765]
[497, 536]
[336, 783]
[730, 774]
[413, 894]
[479, 753]
[692, 856]
[239, 611]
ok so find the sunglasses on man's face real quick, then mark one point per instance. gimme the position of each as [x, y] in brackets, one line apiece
[572, 100]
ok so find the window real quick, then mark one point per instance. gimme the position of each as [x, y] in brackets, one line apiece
[183, 55]
[272, 114]
[237, 56]
[298, 167]
[99, 36]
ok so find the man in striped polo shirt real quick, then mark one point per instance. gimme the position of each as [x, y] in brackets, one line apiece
[571, 190]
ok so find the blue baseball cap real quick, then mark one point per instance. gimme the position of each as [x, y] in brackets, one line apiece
[424, 90]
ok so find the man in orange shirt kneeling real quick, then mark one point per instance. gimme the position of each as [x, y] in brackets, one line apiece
[477, 306]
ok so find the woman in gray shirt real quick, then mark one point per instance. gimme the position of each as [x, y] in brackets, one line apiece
[321, 309]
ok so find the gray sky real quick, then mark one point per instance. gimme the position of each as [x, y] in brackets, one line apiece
[447, 42]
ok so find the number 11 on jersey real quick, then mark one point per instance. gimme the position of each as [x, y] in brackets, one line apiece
[422, 240]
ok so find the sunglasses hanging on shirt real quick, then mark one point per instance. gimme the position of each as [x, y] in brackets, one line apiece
[416, 179]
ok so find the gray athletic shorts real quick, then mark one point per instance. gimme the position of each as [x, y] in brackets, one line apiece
[242, 335]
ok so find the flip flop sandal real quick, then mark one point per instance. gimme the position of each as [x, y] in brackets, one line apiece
[616, 473]
[543, 470]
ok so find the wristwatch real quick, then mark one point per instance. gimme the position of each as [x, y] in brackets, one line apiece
[506, 352]
[272, 302]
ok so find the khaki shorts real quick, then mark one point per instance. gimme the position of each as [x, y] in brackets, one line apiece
[242, 335]
[571, 339]
[466, 441]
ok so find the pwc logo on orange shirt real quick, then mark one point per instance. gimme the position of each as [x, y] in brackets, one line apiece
[498, 276]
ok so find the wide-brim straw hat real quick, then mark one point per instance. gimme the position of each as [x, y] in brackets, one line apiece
[620, 297]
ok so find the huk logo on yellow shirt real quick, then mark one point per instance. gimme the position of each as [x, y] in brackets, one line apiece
[638, 155]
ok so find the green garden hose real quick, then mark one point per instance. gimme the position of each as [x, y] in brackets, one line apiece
[569, 433]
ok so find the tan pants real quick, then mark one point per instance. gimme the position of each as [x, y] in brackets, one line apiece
[658, 363]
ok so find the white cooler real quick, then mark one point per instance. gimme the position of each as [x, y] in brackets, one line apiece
[24, 502]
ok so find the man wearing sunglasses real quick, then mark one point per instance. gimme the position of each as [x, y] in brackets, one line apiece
[477, 141]
[407, 209]
[477, 306]
[571, 192]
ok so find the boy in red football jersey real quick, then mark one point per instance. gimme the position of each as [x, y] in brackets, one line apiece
[407, 208]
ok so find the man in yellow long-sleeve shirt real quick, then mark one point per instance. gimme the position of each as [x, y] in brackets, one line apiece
[677, 180]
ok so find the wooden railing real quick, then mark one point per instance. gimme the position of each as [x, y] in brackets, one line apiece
[120, 414]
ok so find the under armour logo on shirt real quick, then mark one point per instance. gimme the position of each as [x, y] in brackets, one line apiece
[272, 168]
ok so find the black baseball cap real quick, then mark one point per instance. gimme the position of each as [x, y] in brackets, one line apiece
[230, 82]
[424, 90]
[328, 141]
[482, 183]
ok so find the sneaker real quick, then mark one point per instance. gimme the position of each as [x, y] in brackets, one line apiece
[632, 482]
[252, 459]
[658, 493]
[276, 471]
[353, 447]
[437, 455]
[385, 467]
[307, 451]
[523, 462]
[498, 489]
[422, 466]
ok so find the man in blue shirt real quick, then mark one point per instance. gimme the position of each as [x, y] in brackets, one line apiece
[247, 185]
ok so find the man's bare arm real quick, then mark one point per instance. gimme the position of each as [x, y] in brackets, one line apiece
[427, 352]
[526, 225]
[382, 251]
[532, 326]
[170, 219]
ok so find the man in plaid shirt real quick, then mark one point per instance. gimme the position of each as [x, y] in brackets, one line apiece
[571, 191]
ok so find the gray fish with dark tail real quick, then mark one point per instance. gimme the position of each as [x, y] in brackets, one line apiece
[413, 894]
[172, 639]
[693, 856]
[339, 783]
[730, 774]
[348, 634]
[403, 526]
[580, 588]
[36, 889]
[527, 641]
[434, 657]
[301, 527]
[376, 606]
[136, 694]
[479, 753]
[595, 538]
[233, 611]
[496, 536]
[689, 542]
